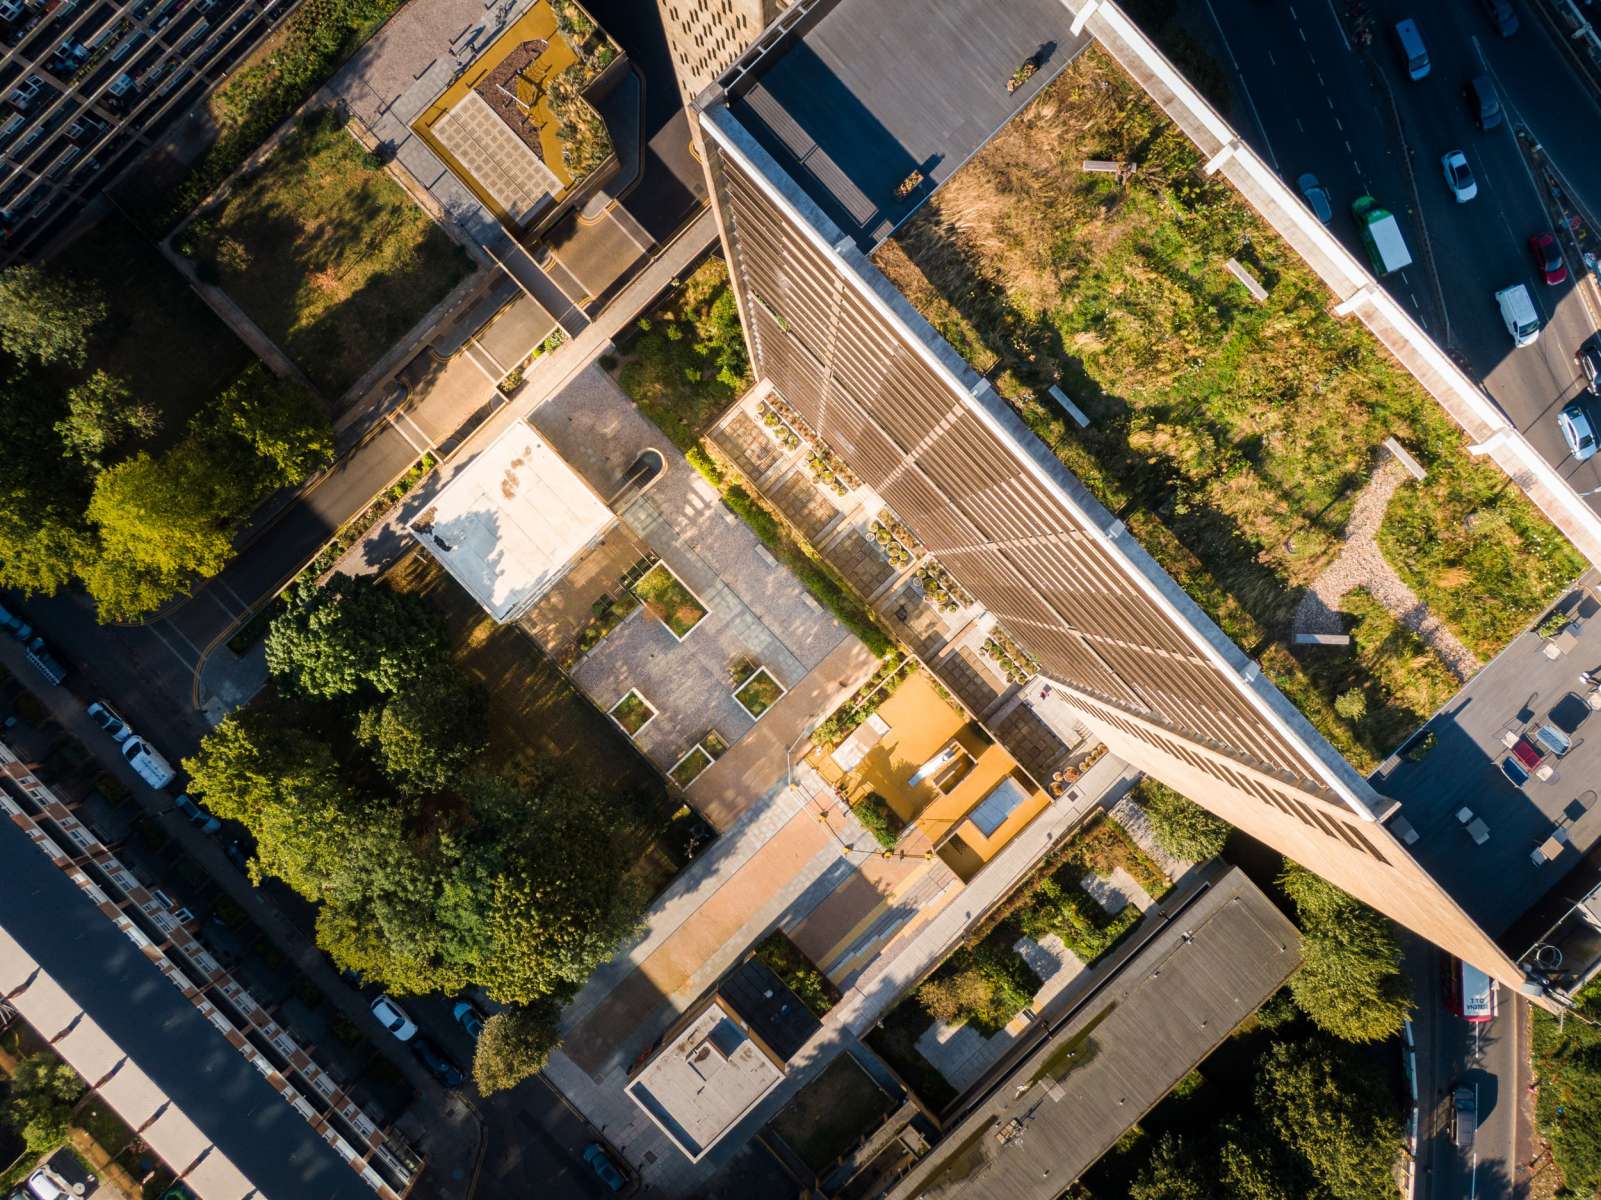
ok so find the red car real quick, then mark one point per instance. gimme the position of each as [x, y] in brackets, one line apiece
[1548, 258]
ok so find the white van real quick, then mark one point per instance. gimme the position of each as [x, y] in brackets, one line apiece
[148, 762]
[1518, 312]
[1413, 53]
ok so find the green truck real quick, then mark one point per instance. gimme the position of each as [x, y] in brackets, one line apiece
[1381, 234]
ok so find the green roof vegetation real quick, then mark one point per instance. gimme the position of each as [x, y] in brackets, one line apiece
[1567, 1071]
[1231, 437]
[326, 253]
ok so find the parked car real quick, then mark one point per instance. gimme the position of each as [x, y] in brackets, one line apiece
[1577, 431]
[197, 815]
[440, 1067]
[1459, 176]
[148, 762]
[39, 657]
[1317, 197]
[1483, 102]
[42, 1185]
[469, 1018]
[1588, 356]
[1502, 16]
[393, 1018]
[1547, 255]
[1464, 1117]
[109, 719]
[605, 1170]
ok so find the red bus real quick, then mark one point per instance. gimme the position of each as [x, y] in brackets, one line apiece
[1470, 993]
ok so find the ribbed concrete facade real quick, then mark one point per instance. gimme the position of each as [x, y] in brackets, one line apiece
[706, 36]
[1134, 657]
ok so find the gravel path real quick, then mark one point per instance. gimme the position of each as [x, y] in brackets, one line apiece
[1362, 565]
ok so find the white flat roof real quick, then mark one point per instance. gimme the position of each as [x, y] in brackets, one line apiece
[509, 526]
[699, 1086]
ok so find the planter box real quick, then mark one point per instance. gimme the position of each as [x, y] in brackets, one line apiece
[758, 693]
[633, 712]
[670, 601]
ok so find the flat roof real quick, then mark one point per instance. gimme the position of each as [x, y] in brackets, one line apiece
[492, 153]
[509, 524]
[774, 1013]
[1498, 879]
[864, 93]
[60, 955]
[1128, 1043]
[698, 1086]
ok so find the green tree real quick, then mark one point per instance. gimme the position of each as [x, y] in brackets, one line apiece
[1173, 1172]
[46, 317]
[515, 1045]
[1181, 827]
[101, 412]
[1350, 981]
[1335, 1113]
[281, 421]
[157, 525]
[426, 734]
[40, 1098]
[350, 633]
[1251, 1166]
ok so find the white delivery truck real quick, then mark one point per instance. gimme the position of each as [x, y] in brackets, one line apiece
[1381, 234]
[147, 762]
[1519, 315]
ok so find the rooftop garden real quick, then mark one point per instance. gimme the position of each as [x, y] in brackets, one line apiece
[326, 252]
[1231, 437]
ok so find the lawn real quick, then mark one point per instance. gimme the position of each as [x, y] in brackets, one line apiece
[669, 601]
[830, 1115]
[1231, 437]
[326, 253]
[1567, 1066]
[759, 693]
[685, 362]
[539, 722]
[158, 335]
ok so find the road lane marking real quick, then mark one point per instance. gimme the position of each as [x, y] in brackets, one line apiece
[1301, 31]
[1341, 128]
[1271, 59]
[1300, 126]
[238, 599]
[395, 425]
[1293, 17]
[217, 600]
[171, 649]
[421, 432]
[1340, 27]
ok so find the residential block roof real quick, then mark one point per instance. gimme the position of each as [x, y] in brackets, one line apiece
[77, 979]
[1113, 1058]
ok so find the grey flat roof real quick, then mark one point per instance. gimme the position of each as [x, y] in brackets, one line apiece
[867, 91]
[166, 1037]
[1519, 691]
[1147, 1027]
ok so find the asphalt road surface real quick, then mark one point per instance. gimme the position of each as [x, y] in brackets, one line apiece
[1321, 106]
[1491, 1058]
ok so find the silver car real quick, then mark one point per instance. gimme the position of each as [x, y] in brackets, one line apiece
[1577, 431]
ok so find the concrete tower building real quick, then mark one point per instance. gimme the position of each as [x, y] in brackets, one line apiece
[824, 138]
[706, 36]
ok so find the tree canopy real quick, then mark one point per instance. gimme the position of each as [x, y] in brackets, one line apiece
[1350, 981]
[46, 317]
[101, 412]
[1182, 827]
[515, 1045]
[433, 872]
[350, 634]
[39, 1100]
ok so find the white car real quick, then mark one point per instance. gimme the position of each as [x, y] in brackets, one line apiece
[109, 719]
[1459, 176]
[42, 1185]
[1577, 431]
[148, 762]
[393, 1018]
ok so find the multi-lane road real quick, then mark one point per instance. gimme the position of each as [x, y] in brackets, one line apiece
[1310, 101]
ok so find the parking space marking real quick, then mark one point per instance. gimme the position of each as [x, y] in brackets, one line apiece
[395, 425]
[173, 650]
